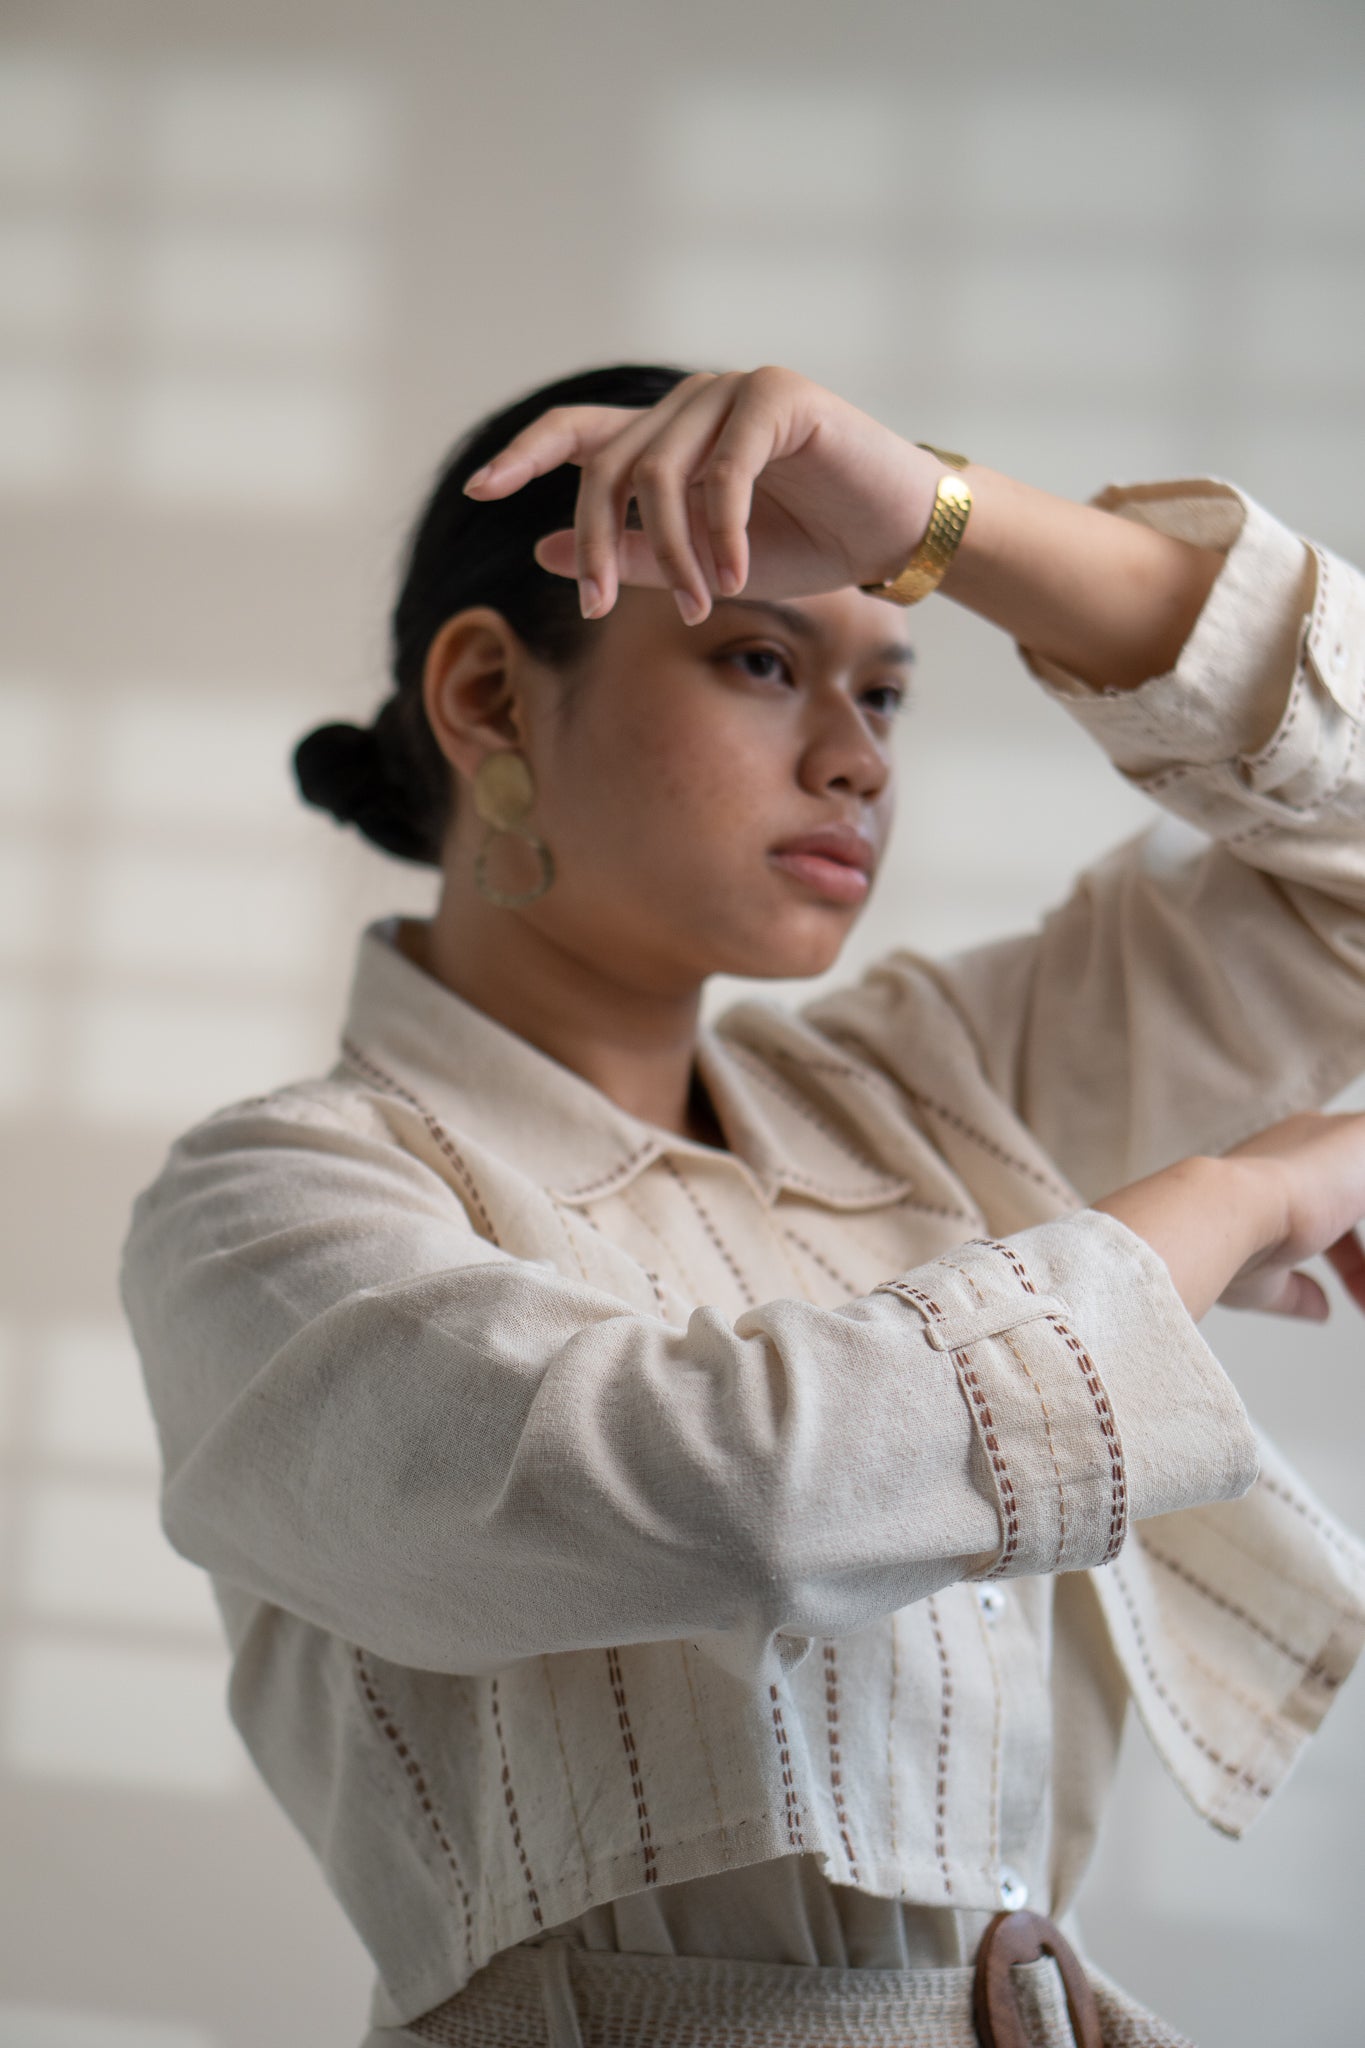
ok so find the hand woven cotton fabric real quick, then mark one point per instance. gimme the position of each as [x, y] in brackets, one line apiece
[751, 1553]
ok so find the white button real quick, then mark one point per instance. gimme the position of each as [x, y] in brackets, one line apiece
[1013, 1890]
[992, 1602]
[1337, 659]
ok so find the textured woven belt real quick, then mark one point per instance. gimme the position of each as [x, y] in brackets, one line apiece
[548, 1993]
[1012, 1940]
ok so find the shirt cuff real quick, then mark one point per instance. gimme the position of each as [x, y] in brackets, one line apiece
[1233, 677]
[1095, 1399]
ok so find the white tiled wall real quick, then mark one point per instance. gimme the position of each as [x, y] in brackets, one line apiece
[258, 265]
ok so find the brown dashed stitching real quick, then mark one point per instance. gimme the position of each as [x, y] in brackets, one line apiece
[1009, 1502]
[438, 1131]
[691, 1289]
[563, 1214]
[657, 1285]
[836, 1774]
[818, 1259]
[1310, 1515]
[882, 1190]
[1182, 1720]
[1047, 1423]
[637, 1783]
[945, 1729]
[1256, 1708]
[1118, 1478]
[1007, 1158]
[784, 1758]
[1312, 1669]
[1164, 779]
[709, 1227]
[989, 1145]
[510, 1803]
[794, 1099]
[605, 1180]
[384, 1720]
[948, 1210]
[568, 1774]
[1095, 1387]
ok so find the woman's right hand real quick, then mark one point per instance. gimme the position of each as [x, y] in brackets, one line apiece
[1235, 1229]
[758, 480]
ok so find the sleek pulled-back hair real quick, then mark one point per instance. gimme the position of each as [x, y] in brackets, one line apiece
[389, 778]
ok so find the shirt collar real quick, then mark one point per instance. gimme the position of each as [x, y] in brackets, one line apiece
[508, 1096]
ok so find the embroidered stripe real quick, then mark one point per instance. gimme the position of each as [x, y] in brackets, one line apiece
[945, 1729]
[1182, 1720]
[1313, 1669]
[709, 1227]
[509, 1801]
[384, 1720]
[440, 1136]
[637, 1786]
[1118, 1482]
[848, 1072]
[836, 1775]
[1009, 1500]
[784, 1757]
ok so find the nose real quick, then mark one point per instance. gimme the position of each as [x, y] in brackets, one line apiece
[841, 754]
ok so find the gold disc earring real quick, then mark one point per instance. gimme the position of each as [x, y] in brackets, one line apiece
[503, 796]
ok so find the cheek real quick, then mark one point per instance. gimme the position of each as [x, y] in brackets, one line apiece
[689, 785]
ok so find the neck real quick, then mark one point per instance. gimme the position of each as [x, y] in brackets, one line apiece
[637, 1047]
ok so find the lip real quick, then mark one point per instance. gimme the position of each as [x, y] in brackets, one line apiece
[835, 860]
[843, 843]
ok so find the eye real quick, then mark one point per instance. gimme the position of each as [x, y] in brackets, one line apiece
[764, 664]
[892, 695]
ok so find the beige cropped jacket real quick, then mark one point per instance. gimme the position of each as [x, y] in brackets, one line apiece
[593, 1510]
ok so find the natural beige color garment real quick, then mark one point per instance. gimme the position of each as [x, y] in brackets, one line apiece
[592, 1511]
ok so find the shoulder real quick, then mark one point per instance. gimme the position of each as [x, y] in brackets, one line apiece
[894, 1015]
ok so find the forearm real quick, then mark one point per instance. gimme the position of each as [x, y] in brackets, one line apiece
[1109, 600]
[1205, 1218]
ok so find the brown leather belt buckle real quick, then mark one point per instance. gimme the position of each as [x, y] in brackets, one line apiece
[1025, 1938]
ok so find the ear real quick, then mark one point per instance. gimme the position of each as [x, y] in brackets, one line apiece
[470, 687]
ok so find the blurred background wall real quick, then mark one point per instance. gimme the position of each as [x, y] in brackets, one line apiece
[258, 265]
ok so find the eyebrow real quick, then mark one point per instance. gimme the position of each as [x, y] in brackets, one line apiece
[804, 628]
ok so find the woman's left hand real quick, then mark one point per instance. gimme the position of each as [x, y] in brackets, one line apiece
[757, 481]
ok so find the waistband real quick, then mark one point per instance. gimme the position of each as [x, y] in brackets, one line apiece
[551, 1994]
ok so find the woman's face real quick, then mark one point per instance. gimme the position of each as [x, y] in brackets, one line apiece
[680, 763]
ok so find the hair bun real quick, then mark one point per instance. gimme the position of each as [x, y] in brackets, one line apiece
[338, 768]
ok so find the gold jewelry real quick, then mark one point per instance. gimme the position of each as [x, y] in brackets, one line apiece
[928, 565]
[503, 796]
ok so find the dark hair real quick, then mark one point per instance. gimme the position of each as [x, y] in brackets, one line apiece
[390, 779]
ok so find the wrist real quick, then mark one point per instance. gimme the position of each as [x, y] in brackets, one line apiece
[922, 470]
[1205, 1218]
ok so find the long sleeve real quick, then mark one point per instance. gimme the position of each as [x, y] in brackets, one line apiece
[375, 1418]
[1205, 977]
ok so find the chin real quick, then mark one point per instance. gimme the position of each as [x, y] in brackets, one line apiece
[791, 956]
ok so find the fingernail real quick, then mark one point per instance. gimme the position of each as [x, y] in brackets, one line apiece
[690, 606]
[480, 476]
[728, 580]
[589, 597]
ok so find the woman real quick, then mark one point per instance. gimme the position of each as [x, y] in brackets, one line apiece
[690, 1504]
